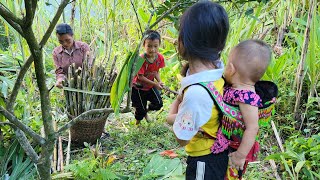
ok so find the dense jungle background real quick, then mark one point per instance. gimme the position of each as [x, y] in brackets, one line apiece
[33, 116]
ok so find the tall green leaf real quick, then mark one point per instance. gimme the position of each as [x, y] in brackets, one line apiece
[121, 84]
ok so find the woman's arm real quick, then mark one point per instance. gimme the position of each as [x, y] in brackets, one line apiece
[59, 72]
[173, 111]
[250, 117]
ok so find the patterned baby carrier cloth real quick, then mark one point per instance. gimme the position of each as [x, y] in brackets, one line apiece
[232, 126]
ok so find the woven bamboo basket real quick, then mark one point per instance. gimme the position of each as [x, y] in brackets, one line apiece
[88, 130]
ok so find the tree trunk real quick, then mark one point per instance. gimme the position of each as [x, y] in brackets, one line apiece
[44, 164]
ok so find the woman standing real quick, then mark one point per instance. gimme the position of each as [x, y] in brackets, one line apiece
[70, 51]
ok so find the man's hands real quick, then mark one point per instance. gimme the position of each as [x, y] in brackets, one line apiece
[59, 84]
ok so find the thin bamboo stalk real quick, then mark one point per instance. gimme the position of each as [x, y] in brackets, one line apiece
[73, 10]
[272, 163]
[113, 65]
[61, 154]
[277, 136]
[105, 30]
[70, 83]
[282, 29]
[72, 99]
[54, 164]
[274, 168]
[112, 79]
[79, 94]
[74, 94]
[300, 73]
[68, 149]
[111, 34]
[80, 17]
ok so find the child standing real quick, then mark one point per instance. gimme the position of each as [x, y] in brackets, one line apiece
[203, 31]
[246, 65]
[144, 87]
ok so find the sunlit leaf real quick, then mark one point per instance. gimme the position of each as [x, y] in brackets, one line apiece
[4, 89]
[160, 166]
[299, 166]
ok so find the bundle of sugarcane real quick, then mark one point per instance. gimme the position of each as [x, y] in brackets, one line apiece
[88, 87]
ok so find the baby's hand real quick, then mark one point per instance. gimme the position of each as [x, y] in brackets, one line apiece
[237, 160]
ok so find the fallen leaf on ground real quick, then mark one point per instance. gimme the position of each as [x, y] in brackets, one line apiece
[170, 153]
[111, 159]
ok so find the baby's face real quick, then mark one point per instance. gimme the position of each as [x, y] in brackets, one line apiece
[229, 70]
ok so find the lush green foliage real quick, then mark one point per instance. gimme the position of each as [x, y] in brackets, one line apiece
[94, 166]
[300, 160]
[14, 164]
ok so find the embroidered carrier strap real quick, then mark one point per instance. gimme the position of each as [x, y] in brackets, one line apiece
[226, 109]
[232, 122]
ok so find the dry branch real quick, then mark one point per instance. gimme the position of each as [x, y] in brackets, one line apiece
[8, 15]
[170, 90]
[21, 126]
[23, 141]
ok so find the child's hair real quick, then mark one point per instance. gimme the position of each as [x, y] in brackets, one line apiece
[152, 35]
[64, 29]
[203, 31]
[252, 58]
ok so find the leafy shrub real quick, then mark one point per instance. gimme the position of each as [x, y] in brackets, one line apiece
[301, 158]
[91, 168]
[14, 164]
